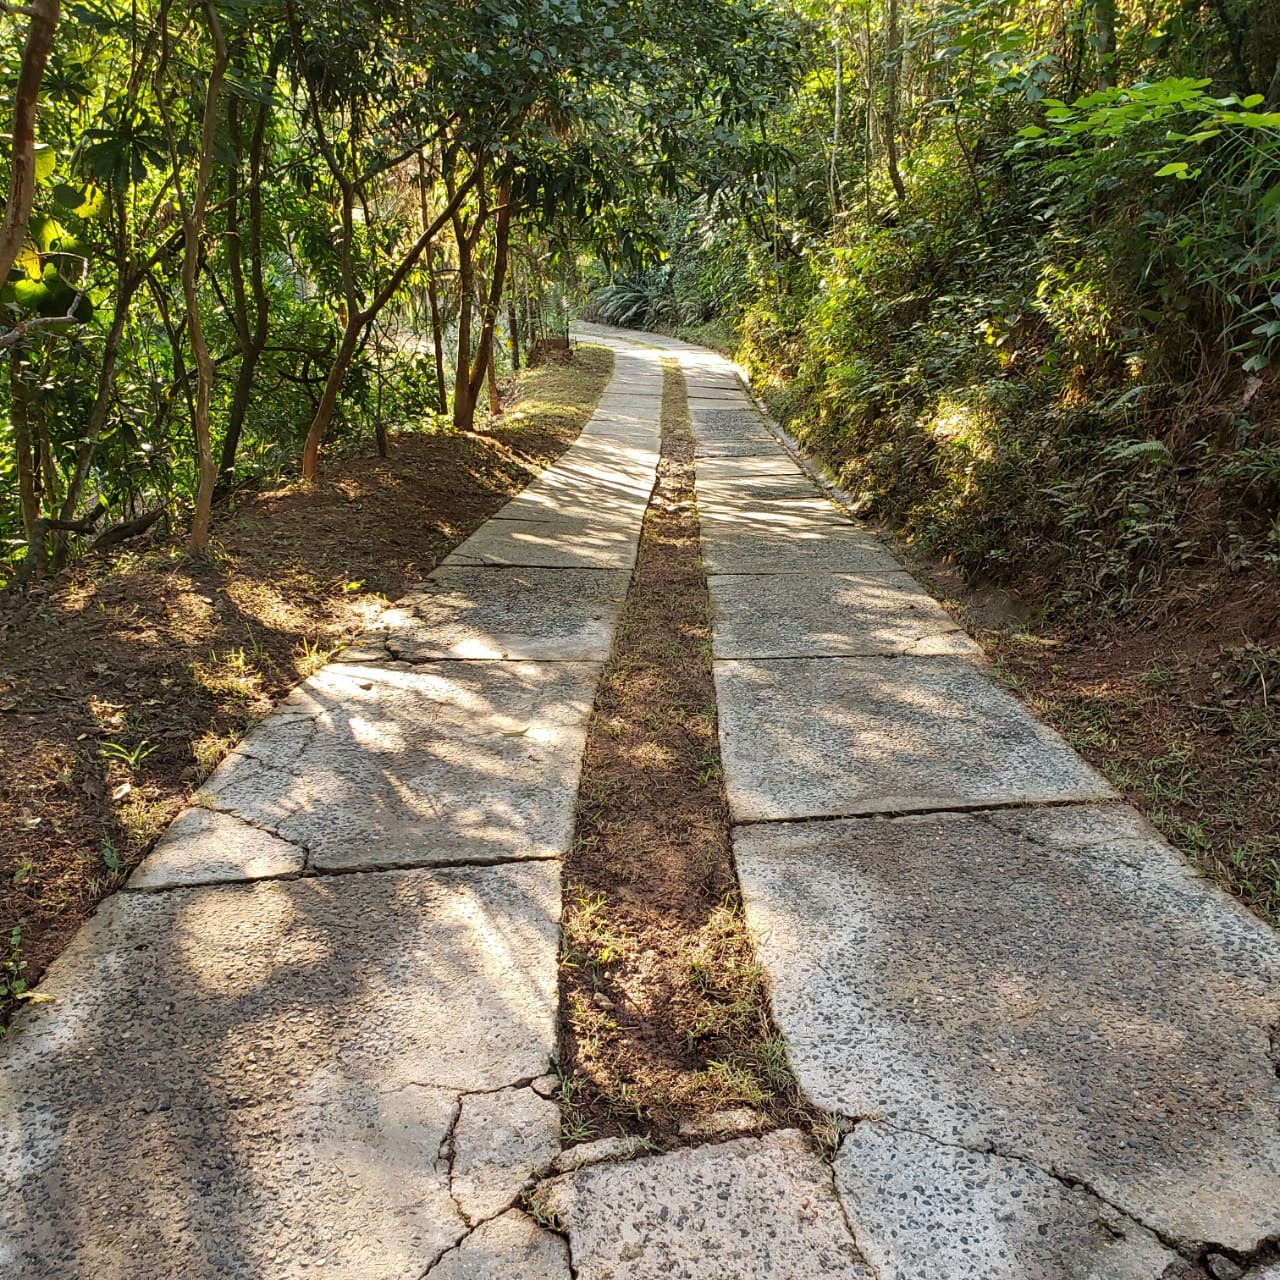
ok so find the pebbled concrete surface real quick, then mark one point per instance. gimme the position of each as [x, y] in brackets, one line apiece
[545, 615]
[501, 1140]
[512, 1247]
[202, 846]
[394, 765]
[584, 543]
[830, 615]
[751, 1209]
[924, 1211]
[825, 737]
[1053, 985]
[246, 1079]
[773, 540]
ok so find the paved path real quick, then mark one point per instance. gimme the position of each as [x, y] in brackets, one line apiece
[1054, 1043]
[314, 1034]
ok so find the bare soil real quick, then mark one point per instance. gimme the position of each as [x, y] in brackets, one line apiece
[124, 682]
[664, 1007]
[1177, 704]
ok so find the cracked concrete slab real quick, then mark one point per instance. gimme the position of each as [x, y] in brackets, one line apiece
[500, 1142]
[924, 1211]
[830, 615]
[742, 1210]
[529, 614]
[202, 846]
[584, 543]
[769, 538]
[824, 737]
[395, 765]
[512, 1247]
[253, 1079]
[1055, 985]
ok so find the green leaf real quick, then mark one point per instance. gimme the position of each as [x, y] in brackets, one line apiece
[1174, 166]
[46, 161]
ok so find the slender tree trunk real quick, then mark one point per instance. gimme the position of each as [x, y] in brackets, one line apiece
[193, 214]
[127, 284]
[893, 39]
[489, 312]
[329, 396]
[20, 415]
[437, 336]
[379, 427]
[252, 337]
[43, 15]
[1104, 35]
[464, 406]
[1273, 92]
[358, 321]
[833, 178]
[513, 330]
[495, 401]
[433, 294]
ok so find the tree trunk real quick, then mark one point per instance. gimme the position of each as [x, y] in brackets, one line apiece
[489, 312]
[193, 214]
[358, 321]
[44, 15]
[437, 336]
[513, 330]
[833, 178]
[19, 413]
[252, 338]
[495, 401]
[894, 40]
[1104, 35]
[464, 403]
[127, 284]
[329, 396]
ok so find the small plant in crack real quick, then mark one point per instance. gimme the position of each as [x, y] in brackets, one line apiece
[537, 1204]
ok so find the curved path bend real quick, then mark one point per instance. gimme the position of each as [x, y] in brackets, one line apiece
[315, 1034]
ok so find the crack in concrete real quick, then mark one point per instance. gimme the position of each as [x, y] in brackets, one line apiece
[959, 808]
[1194, 1251]
[848, 1223]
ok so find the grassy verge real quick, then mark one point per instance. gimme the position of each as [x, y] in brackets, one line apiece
[124, 683]
[664, 1008]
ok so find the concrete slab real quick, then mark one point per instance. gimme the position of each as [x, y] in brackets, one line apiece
[768, 539]
[734, 471]
[202, 846]
[393, 765]
[923, 1211]
[825, 737]
[748, 445]
[501, 1141]
[712, 422]
[1055, 986]
[833, 615]
[731, 492]
[512, 1247]
[596, 543]
[743, 1210]
[253, 1080]
[530, 614]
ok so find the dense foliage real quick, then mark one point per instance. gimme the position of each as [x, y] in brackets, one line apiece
[236, 230]
[1017, 279]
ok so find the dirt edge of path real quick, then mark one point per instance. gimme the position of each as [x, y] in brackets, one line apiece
[125, 682]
